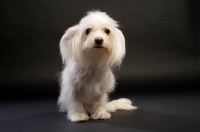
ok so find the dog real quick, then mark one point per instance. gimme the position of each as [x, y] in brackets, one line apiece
[90, 50]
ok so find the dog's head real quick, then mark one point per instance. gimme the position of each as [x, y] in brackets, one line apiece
[95, 39]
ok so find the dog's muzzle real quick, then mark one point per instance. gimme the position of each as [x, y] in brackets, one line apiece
[98, 42]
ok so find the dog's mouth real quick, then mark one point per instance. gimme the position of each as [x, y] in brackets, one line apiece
[98, 46]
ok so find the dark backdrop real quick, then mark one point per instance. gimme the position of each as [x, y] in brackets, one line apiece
[162, 40]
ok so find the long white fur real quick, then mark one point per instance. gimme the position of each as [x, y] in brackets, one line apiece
[87, 78]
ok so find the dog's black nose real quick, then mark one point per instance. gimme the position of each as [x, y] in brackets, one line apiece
[99, 40]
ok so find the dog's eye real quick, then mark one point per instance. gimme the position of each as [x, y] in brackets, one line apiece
[87, 31]
[107, 31]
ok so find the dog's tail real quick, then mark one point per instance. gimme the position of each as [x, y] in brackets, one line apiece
[120, 104]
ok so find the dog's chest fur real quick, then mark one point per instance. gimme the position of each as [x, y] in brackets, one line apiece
[90, 79]
[90, 83]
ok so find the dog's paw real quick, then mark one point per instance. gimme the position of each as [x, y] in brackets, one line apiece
[101, 115]
[78, 117]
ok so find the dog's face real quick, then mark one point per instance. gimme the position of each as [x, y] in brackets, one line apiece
[95, 36]
[97, 32]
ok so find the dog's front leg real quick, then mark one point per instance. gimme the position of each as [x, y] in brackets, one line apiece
[76, 112]
[100, 109]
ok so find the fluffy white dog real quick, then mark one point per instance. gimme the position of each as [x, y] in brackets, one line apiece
[89, 50]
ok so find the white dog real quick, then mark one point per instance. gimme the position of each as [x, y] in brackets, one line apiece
[89, 50]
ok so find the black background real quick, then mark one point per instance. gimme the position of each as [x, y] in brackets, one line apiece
[160, 73]
[162, 42]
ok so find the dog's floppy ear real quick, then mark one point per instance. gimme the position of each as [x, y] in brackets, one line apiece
[68, 42]
[118, 48]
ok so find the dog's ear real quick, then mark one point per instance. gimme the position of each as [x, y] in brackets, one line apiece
[68, 42]
[118, 48]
